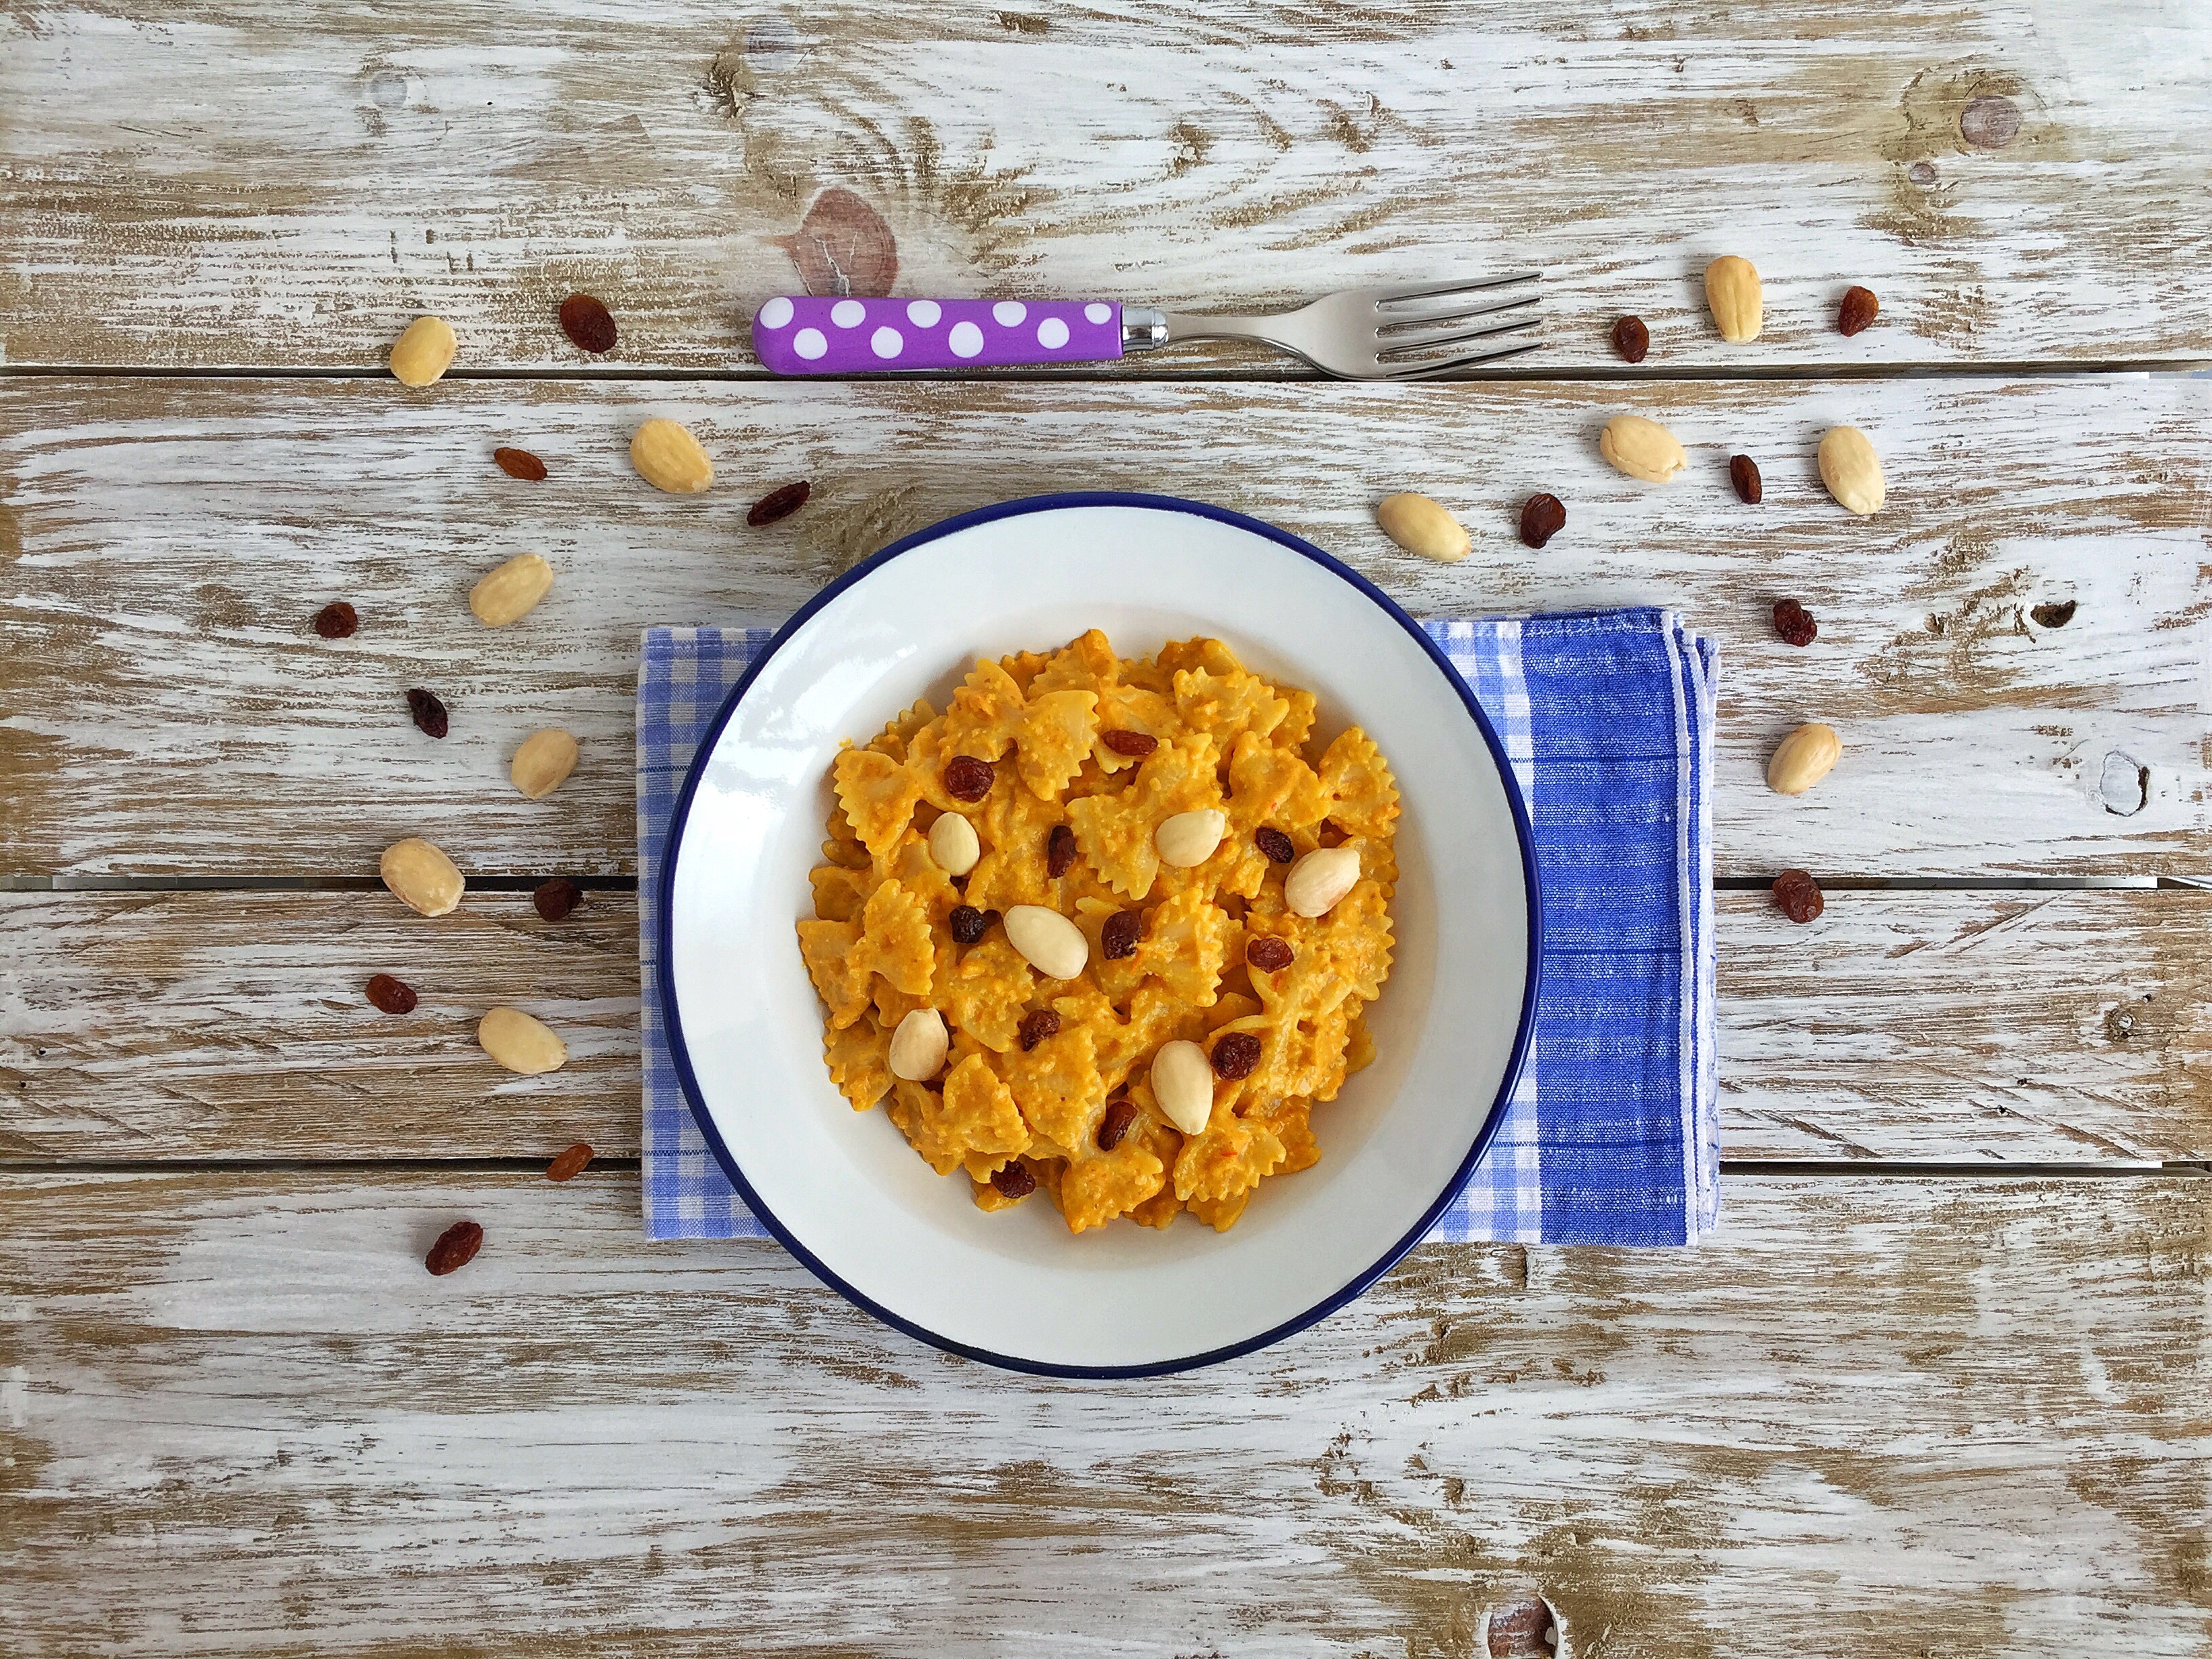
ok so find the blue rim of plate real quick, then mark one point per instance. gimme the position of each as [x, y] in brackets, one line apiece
[665, 931]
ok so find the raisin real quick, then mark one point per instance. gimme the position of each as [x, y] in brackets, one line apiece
[1014, 1180]
[1059, 851]
[1118, 938]
[967, 778]
[393, 996]
[969, 924]
[1799, 895]
[521, 464]
[1795, 622]
[555, 898]
[1542, 517]
[586, 321]
[1269, 954]
[1134, 743]
[456, 1248]
[1234, 1055]
[570, 1163]
[1037, 1024]
[1856, 313]
[779, 503]
[2054, 615]
[1631, 339]
[429, 713]
[1275, 844]
[1743, 473]
[1120, 1116]
[336, 620]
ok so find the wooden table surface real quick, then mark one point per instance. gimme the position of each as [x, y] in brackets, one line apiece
[1939, 1388]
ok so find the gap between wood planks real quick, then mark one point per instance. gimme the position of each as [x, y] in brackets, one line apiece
[1291, 370]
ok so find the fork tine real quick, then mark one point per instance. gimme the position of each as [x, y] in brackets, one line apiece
[1431, 290]
[1413, 330]
[1397, 347]
[1432, 371]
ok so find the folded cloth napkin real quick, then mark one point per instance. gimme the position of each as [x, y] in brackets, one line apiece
[1612, 1136]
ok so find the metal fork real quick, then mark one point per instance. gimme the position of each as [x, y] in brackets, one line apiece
[1409, 332]
[1372, 333]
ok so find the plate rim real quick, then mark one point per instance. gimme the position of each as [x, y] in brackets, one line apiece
[664, 923]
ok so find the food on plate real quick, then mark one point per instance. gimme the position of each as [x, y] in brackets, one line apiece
[1107, 926]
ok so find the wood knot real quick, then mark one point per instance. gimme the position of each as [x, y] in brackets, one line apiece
[1922, 173]
[843, 246]
[2125, 785]
[1525, 1628]
[1989, 122]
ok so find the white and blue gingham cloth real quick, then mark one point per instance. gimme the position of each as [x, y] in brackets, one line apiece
[1612, 1136]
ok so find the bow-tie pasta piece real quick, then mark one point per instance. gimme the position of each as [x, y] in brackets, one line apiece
[1053, 738]
[974, 1119]
[1363, 800]
[859, 1056]
[878, 795]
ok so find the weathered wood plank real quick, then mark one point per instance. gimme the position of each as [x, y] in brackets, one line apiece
[233, 1025]
[260, 184]
[1970, 1410]
[165, 707]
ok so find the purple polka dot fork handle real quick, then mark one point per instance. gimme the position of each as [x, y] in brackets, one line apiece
[806, 335]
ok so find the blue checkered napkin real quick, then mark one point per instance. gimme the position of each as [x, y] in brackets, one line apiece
[1612, 1136]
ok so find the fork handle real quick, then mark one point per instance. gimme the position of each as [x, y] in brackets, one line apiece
[807, 334]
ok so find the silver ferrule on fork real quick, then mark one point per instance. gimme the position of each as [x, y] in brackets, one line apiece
[1143, 328]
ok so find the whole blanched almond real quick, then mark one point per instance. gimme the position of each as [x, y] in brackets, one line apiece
[1320, 879]
[521, 1043]
[1421, 526]
[1049, 941]
[1802, 759]
[512, 591]
[1852, 471]
[1732, 292]
[1182, 1083]
[1643, 449]
[543, 762]
[1188, 840]
[420, 877]
[919, 1046]
[953, 844]
[667, 457]
[423, 351]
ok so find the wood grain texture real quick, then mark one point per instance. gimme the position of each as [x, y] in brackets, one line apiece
[261, 185]
[233, 1025]
[165, 706]
[1971, 1412]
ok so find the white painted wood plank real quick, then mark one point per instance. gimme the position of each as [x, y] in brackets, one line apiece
[191, 1026]
[1971, 1411]
[164, 707]
[267, 185]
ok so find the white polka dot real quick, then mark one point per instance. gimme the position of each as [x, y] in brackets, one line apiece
[808, 343]
[848, 313]
[1094, 312]
[966, 339]
[885, 342]
[924, 313]
[775, 314]
[1008, 314]
[1052, 334]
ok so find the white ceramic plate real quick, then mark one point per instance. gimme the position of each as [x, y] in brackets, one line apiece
[843, 1190]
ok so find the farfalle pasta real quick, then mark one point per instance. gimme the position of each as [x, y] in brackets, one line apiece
[1162, 826]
